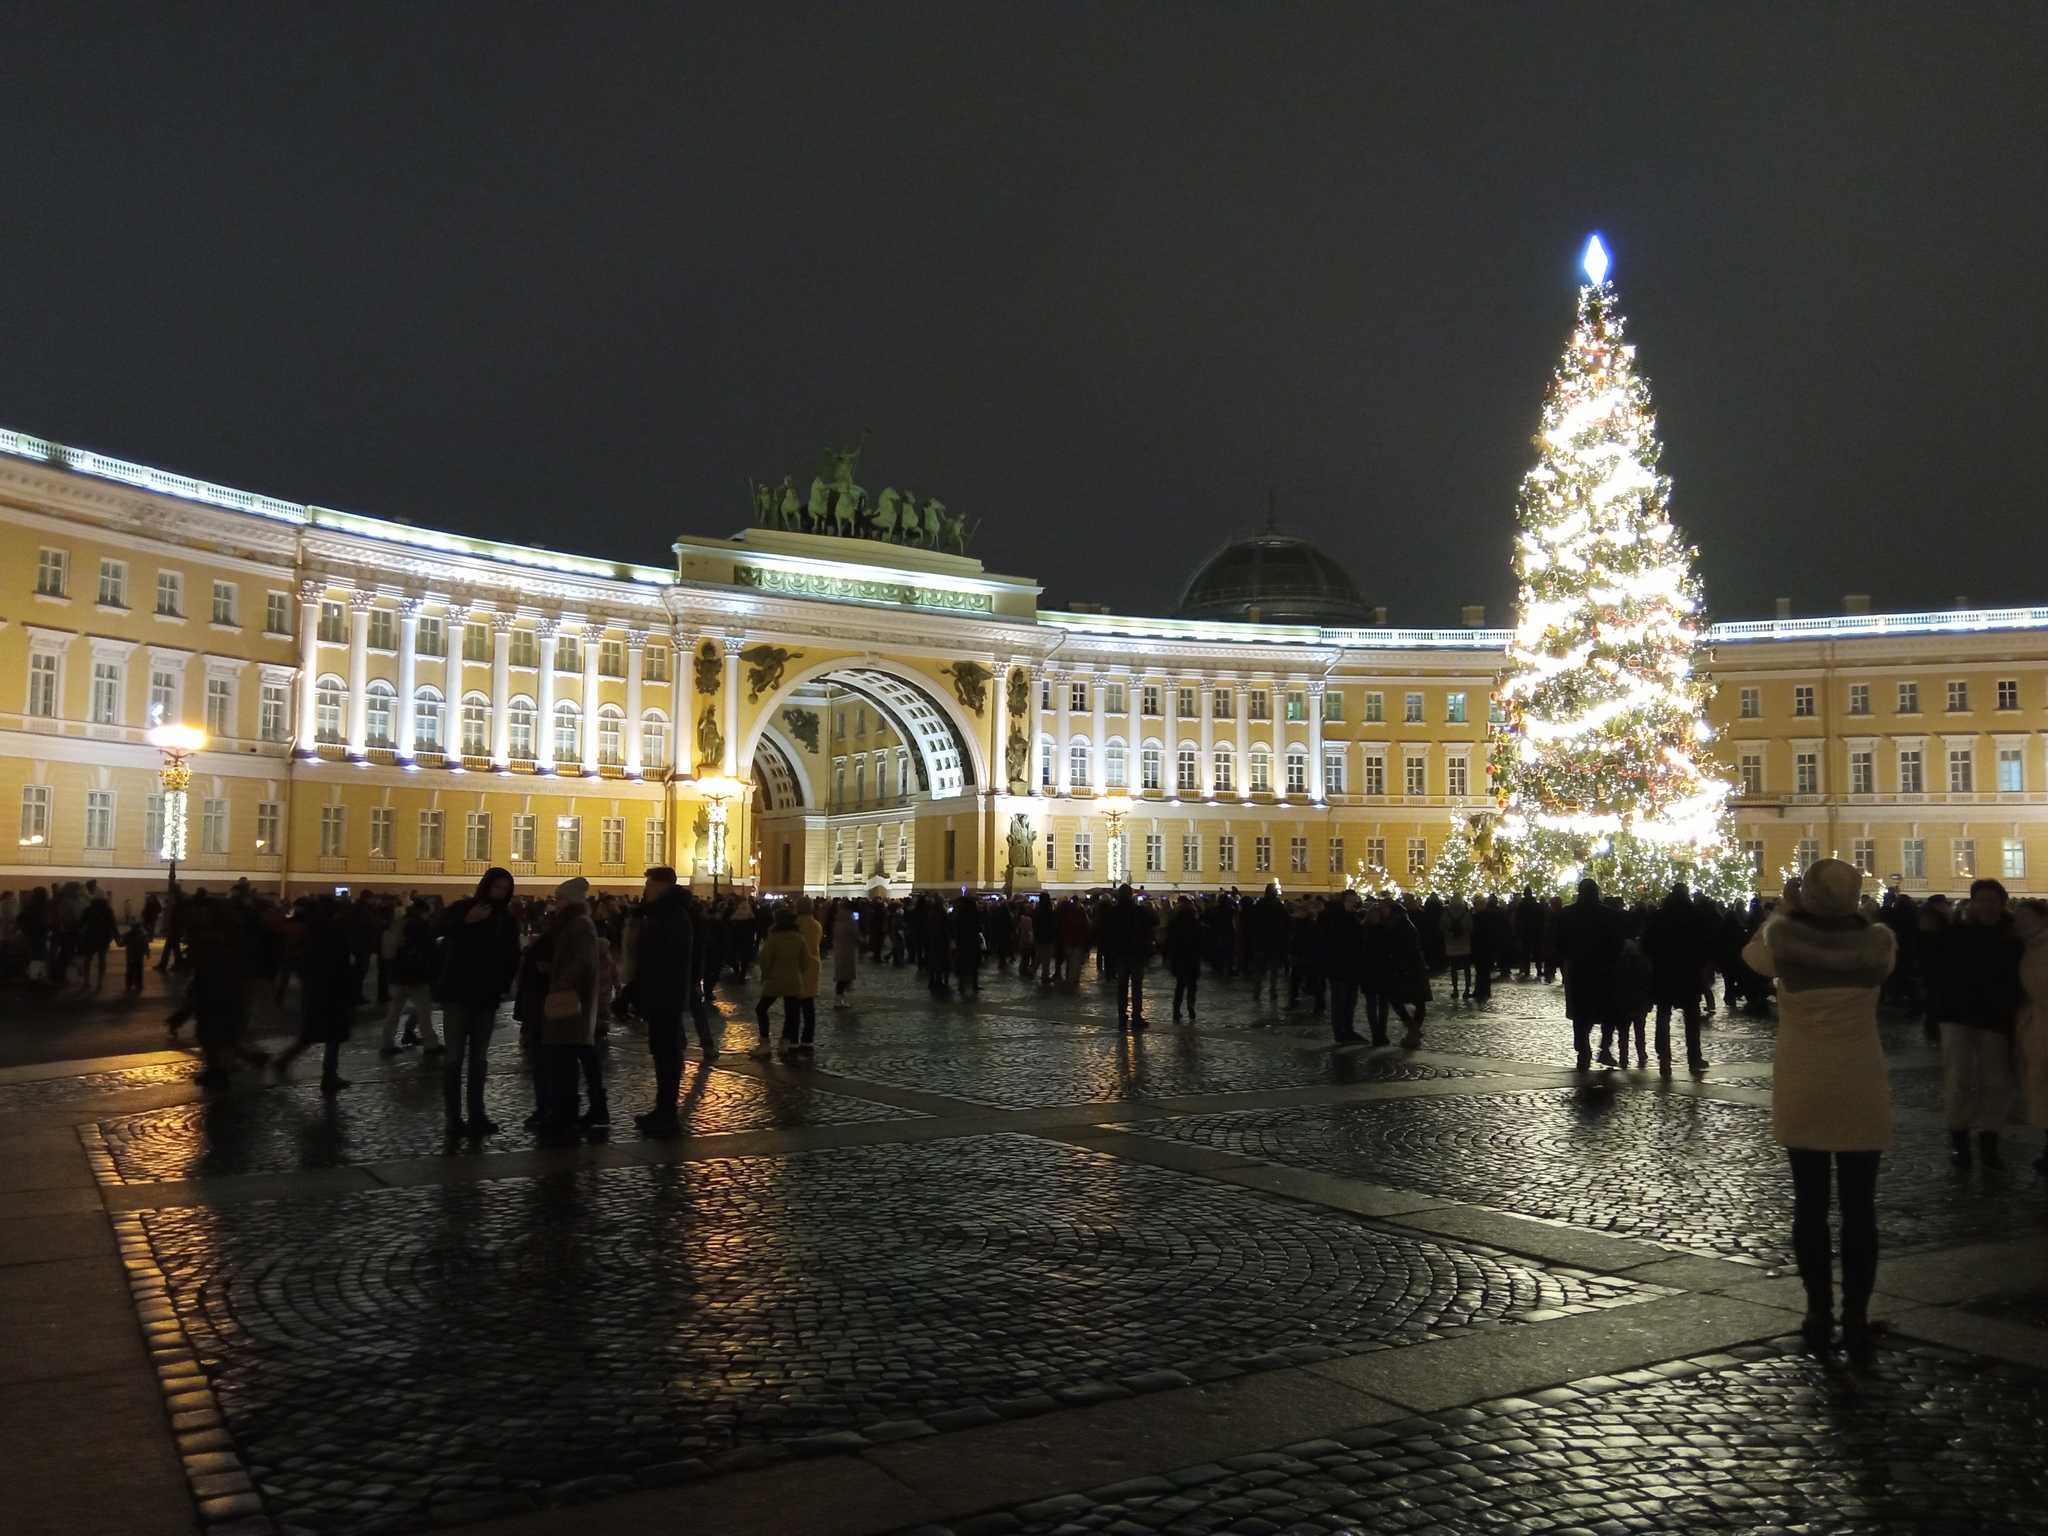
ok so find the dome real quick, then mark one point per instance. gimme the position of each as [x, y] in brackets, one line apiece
[1269, 578]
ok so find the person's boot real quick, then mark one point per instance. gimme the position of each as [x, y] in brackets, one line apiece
[1818, 1330]
[1860, 1336]
[1987, 1150]
[1959, 1148]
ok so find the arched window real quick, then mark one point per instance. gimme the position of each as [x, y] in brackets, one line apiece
[1045, 762]
[377, 701]
[611, 751]
[1078, 774]
[426, 720]
[519, 716]
[1152, 764]
[568, 733]
[654, 741]
[1260, 779]
[1297, 771]
[1188, 770]
[476, 725]
[1115, 766]
[328, 698]
[1226, 770]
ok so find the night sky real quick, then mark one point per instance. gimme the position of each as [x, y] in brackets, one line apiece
[1099, 277]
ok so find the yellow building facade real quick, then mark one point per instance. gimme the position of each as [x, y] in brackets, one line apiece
[393, 707]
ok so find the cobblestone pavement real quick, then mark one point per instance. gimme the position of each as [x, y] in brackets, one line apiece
[1761, 1439]
[389, 1353]
[1695, 1173]
[60, 1090]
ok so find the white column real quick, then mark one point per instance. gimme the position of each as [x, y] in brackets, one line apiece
[1315, 741]
[544, 697]
[359, 604]
[1062, 770]
[1205, 711]
[1243, 701]
[501, 688]
[687, 703]
[309, 662]
[593, 638]
[1098, 751]
[734, 644]
[1041, 679]
[408, 668]
[636, 656]
[454, 636]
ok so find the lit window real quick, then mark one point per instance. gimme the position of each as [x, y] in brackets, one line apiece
[433, 837]
[2012, 769]
[333, 831]
[1297, 705]
[383, 832]
[1259, 776]
[269, 822]
[1262, 855]
[1226, 771]
[2013, 859]
[1152, 765]
[220, 707]
[1454, 708]
[106, 693]
[35, 815]
[568, 839]
[1188, 771]
[1226, 854]
[42, 685]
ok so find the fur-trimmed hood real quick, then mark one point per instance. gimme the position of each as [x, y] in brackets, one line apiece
[1808, 953]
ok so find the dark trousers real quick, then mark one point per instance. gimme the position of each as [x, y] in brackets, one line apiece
[1184, 985]
[467, 1027]
[1376, 1007]
[1130, 988]
[1343, 1008]
[1582, 1039]
[665, 1045]
[1691, 1011]
[799, 1011]
[1856, 1182]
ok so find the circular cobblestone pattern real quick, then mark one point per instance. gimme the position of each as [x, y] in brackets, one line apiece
[408, 1353]
[54, 1091]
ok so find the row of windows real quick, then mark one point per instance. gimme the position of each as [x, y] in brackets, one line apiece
[1911, 775]
[101, 822]
[477, 844]
[1258, 775]
[523, 646]
[1750, 701]
[1912, 857]
[380, 705]
[105, 705]
[1258, 703]
[1078, 850]
[53, 579]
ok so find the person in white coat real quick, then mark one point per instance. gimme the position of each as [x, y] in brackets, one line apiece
[1831, 1102]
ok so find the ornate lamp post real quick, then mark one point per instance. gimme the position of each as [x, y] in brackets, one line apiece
[1116, 806]
[177, 743]
[716, 790]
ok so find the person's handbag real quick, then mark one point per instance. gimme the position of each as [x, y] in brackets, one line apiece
[563, 1021]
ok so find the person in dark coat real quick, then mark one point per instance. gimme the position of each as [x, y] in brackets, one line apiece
[1343, 943]
[1675, 946]
[479, 958]
[1589, 939]
[1268, 924]
[327, 995]
[663, 986]
[1126, 944]
[1185, 942]
[1407, 975]
[967, 944]
[1981, 997]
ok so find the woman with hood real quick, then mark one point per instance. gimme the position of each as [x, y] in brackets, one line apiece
[1831, 1098]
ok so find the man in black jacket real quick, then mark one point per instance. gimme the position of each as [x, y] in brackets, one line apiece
[1675, 947]
[1589, 940]
[664, 984]
[479, 957]
[1979, 1001]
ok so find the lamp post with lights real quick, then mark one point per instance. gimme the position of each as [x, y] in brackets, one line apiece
[177, 743]
[716, 790]
[1116, 806]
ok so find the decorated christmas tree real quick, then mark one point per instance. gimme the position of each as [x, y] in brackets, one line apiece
[1597, 766]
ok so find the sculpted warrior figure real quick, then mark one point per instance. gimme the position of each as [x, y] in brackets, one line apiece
[1020, 692]
[1017, 761]
[1023, 838]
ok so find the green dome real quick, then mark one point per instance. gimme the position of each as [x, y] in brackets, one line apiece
[1270, 578]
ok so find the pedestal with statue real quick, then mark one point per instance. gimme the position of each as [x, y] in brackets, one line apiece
[1022, 874]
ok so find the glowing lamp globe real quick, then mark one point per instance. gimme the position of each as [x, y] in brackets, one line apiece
[1596, 261]
[175, 738]
[720, 788]
[1116, 806]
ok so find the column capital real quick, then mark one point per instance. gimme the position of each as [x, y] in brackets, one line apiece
[734, 644]
[593, 631]
[636, 639]
[361, 601]
[411, 607]
[310, 590]
[458, 615]
[503, 622]
[550, 627]
[1316, 687]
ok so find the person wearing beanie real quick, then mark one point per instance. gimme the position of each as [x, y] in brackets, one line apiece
[1831, 1102]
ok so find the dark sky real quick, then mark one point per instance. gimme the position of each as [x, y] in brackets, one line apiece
[1098, 276]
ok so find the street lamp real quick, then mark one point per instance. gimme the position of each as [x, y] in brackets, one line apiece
[177, 743]
[1116, 807]
[716, 790]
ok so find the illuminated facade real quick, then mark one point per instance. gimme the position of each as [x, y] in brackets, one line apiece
[389, 706]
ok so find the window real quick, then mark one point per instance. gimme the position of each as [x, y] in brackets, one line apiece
[1415, 775]
[2009, 693]
[35, 815]
[476, 642]
[1909, 698]
[277, 613]
[213, 826]
[1297, 704]
[1077, 766]
[654, 743]
[333, 831]
[1297, 772]
[1226, 771]
[1260, 705]
[1753, 855]
[1958, 698]
[1802, 701]
[1752, 773]
[1184, 704]
[153, 825]
[426, 721]
[1751, 705]
[1115, 773]
[1413, 716]
[568, 839]
[525, 648]
[163, 693]
[1155, 853]
[224, 602]
[1045, 772]
[1859, 698]
[1148, 700]
[1336, 855]
[1333, 770]
[1223, 703]
[1375, 774]
[1862, 772]
[1418, 857]
[53, 571]
[1375, 708]
[1190, 853]
[1806, 773]
[1226, 854]
[1297, 855]
[220, 707]
[99, 818]
[1863, 854]
[377, 704]
[476, 725]
[1077, 698]
[1964, 850]
[429, 636]
[2012, 769]
[1913, 858]
[1805, 853]
[476, 837]
[1052, 848]
[1376, 852]
[1259, 775]
[1152, 767]
[1262, 854]
[1188, 771]
[383, 832]
[42, 685]
[1084, 852]
[568, 653]
[519, 722]
[611, 661]
[1961, 766]
[1333, 705]
[1496, 712]
[333, 623]
[611, 750]
[114, 583]
[1113, 698]
[170, 594]
[269, 819]
[1911, 780]
[383, 630]
[1457, 777]
[2013, 859]
[525, 833]
[106, 693]
[1454, 708]
[612, 840]
[654, 847]
[654, 669]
